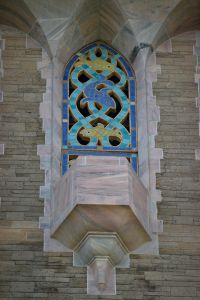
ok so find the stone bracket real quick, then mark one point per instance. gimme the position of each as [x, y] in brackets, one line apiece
[101, 253]
[101, 277]
[101, 214]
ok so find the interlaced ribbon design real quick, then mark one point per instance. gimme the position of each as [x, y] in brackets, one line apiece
[99, 111]
[99, 100]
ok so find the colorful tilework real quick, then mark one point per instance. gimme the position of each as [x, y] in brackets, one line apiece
[64, 163]
[65, 111]
[134, 162]
[99, 112]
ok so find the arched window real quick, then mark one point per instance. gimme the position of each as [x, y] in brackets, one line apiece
[99, 105]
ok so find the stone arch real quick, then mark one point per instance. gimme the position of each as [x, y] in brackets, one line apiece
[183, 18]
[18, 15]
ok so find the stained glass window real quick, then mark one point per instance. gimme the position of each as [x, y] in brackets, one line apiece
[99, 106]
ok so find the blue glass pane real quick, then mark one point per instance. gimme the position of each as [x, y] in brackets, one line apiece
[65, 111]
[134, 162]
[134, 143]
[64, 133]
[64, 163]
[97, 104]
[116, 148]
[65, 91]
[82, 147]
[69, 65]
[88, 47]
[109, 48]
[124, 154]
[127, 66]
[132, 90]
[133, 117]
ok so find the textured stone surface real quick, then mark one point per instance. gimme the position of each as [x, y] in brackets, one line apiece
[148, 116]
[26, 272]
[100, 194]
[178, 136]
[18, 15]
[196, 51]
[20, 130]
[124, 23]
[50, 153]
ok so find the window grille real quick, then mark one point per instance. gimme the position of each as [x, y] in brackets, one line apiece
[99, 106]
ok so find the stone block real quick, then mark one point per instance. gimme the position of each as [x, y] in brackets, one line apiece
[197, 154]
[15, 235]
[15, 216]
[33, 236]
[1, 149]
[22, 287]
[183, 291]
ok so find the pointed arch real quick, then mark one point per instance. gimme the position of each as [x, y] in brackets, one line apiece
[99, 105]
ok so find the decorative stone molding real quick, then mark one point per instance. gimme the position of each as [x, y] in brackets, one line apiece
[155, 153]
[196, 51]
[50, 153]
[102, 215]
[101, 277]
[44, 151]
[148, 116]
[101, 253]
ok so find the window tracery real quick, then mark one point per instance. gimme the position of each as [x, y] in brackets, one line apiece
[99, 105]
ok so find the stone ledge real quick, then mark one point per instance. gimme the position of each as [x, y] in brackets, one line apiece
[102, 244]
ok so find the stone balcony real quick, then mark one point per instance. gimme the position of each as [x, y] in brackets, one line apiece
[101, 214]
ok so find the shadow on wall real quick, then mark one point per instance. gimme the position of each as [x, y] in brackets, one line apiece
[185, 17]
[108, 21]
[15, 13]
[97, 20]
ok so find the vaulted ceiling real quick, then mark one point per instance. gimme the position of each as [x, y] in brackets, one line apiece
[63, 26]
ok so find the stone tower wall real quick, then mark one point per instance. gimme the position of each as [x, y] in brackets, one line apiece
[26, 272]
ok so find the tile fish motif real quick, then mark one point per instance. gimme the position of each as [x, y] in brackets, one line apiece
[99, 96]
[97, 64]
[99, 88]
[100, 131]
[97, 93]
